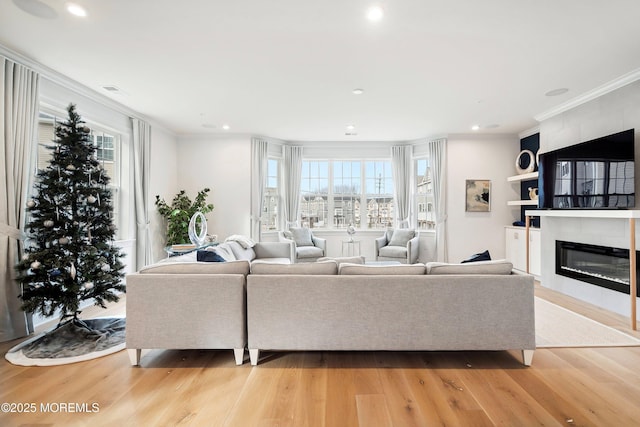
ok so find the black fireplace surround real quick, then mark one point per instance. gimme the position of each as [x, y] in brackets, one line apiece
[599, 265]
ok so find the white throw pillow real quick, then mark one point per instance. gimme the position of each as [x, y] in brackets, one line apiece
[302, 236]
[401, 237]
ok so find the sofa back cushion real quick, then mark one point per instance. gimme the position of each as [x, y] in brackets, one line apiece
[231, 267]
[401, 237]
[400, 269]
[317, 268]
[499, 266]
[345, 259]
[301, 235]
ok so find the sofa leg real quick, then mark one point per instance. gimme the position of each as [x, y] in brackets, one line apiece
[134, 355]
[253, 356]
[527, 357]
[238, 353]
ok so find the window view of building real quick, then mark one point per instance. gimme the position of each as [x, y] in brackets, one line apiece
[314, 186]
[379, 194]
[424, 195]
[270, 212]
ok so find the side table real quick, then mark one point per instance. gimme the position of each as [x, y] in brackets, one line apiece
[350, 247]
[173, 251]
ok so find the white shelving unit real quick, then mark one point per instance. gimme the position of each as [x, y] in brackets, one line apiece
[522, 202]
[519, 178]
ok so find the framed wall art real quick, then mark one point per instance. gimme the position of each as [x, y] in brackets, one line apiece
[478, 195]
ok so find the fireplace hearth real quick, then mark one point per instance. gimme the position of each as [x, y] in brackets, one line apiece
[599, 265]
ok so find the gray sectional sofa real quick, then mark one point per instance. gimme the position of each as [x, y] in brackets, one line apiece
[330, 306]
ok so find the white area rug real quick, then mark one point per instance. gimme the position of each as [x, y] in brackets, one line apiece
[558, 327]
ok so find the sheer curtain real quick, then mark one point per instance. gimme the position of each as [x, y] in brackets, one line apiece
[258, 183]
[401, 168]
[292, 177]
[18, 127]
[438, 159]
[141, 171]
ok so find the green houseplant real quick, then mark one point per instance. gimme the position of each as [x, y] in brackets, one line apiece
[179, 213]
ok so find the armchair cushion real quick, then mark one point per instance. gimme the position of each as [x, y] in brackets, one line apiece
[401, 237]
[393, 251]
[302, 236]
[309, 252]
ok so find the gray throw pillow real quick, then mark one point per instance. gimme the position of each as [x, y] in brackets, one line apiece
[401, 237]
[302, 236]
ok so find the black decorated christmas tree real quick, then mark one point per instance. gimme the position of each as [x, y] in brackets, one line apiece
[69, 254]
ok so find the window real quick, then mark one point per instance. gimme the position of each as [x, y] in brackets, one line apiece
[361, 194]
[423, 193]
[105, 142]
[379, 194]
[314, 187]
[271, 197]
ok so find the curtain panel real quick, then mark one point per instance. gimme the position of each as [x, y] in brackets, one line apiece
[438, 159]
[19, 97]
[258, 183]
[141, 177]
[401, 169]
[292, 176]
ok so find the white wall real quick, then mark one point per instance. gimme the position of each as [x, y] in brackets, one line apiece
[614, 112]
[222, 163]
[480, 157]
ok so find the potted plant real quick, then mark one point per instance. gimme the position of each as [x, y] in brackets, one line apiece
[179, 213]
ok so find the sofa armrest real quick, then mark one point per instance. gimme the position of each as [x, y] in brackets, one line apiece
[413, 249]
[320, 243]
[380, 242]
[283, 249]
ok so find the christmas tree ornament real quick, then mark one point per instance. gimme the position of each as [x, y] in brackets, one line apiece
[88, 285]
[31, 204]
[63, 240]
[48, 223]
[105, 267]
[55, 272]
[70, 167]
[91, 199]
[72, 271]
[35, 265]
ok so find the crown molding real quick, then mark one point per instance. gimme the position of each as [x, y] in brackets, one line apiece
[529, 132]
[590, 95]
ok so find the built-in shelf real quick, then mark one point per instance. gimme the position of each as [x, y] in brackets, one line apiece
[523, 177]
[522, 203]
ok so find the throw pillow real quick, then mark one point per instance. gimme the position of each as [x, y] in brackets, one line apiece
[302, 236]
[401, 237]
[482, 256]
[209, 256]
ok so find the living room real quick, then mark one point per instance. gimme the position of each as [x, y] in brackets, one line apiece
[191, 148]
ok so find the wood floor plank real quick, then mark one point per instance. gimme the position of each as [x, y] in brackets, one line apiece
[373, 411]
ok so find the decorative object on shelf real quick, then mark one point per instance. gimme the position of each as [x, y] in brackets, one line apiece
[478, 195]
[533, 193]
[522, 165]
[178, 214]
[197, 237]
[351, 230]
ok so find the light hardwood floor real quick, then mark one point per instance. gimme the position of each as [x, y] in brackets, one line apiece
[563, 387]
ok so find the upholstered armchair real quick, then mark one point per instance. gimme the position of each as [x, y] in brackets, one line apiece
[306, 246]
[401, 244]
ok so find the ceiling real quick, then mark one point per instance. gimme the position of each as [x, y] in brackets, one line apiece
[286, 68]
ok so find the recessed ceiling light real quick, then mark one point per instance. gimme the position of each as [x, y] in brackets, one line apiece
[226, 127]
[351, 127]
[358, 91]
[375, 13]
[36, 8]
[556, 92]
[76, 10]
[475, 127]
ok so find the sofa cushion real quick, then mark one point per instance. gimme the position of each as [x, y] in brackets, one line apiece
[240, 252]
[401, 237]
[401, 269]
[232, 267]
[499, 266]
[393, 252]
[301, 235]
[309, 252]
[348, 259]
[271, 261]
[322, 268]
[209, 256]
